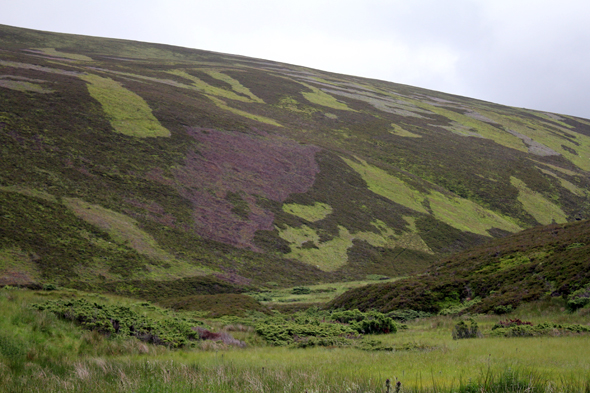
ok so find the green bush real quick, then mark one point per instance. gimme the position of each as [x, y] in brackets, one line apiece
[122, 321]
[461, 330]
[301, 291]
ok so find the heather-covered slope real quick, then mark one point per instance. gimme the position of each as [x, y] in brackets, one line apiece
[548, 260]
[127, 161]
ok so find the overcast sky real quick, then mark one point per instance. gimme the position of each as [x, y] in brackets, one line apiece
[526, 53]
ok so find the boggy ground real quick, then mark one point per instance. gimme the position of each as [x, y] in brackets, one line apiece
[41, 352]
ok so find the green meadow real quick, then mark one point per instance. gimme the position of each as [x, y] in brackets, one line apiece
[42, 352]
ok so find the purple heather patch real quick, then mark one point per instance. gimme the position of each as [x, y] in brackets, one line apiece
[252, 165]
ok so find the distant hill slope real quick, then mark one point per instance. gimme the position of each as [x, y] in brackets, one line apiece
[122, 160]
[547, 260]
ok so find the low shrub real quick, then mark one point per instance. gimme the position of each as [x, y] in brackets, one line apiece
[461, 330]
[122, 321]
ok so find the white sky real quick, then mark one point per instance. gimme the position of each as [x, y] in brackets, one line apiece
[525, 53]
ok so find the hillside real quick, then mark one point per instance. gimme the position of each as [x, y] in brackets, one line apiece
[123, 163]
[496, 277]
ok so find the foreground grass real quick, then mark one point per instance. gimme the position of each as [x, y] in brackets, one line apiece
[42, 353]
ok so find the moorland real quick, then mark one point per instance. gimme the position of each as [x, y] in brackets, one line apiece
[173, 219]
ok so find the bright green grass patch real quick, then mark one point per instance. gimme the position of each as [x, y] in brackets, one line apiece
[221, 104]
[457, 212]
[332, 254]
[562, 170]
[549, 138]
[55, 53]
[319, 293]
[318, 97]
[312, 213]
[29, 192]
[399, 131]
[123, 229]
[389, 186]
[484, 129]
[128, 113]
[387, 238]
[536, 205]
[327, 256]
[291, 104]
[216, 91]
[20, 85]
[565, 184]
[234, 83]
[467, 216]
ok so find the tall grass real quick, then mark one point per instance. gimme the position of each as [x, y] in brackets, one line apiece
[39, 352]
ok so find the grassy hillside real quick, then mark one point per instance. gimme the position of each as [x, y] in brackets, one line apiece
[543, 262]
[123, 163]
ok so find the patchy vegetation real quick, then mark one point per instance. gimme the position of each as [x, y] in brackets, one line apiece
[497, 277]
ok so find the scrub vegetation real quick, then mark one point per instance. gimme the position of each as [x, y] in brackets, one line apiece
[174, 219]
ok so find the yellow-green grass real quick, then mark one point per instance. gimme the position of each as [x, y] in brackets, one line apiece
[457, 212]
[20, 85]
[466, 215]
[318, 97]
[332, 254]
[399, 131]
[223, 105]
[482, 128]
[216, 91]
[542, 210]
[565, 184]
[128, 113]
[327, 256]
[562, 170]
[291, 104]
[537, 131]
[389, 186]
[125, 231]
[60, 357]
[53, 52]
[33, 192]
[320, 293]
[234, 83]
[312, 213]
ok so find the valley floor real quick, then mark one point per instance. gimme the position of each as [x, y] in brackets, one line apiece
[43, 353]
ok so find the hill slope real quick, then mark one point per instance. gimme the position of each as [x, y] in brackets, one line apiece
[127, 161]
[549, 260]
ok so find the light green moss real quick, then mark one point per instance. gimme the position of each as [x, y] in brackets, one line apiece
[388, 238]
[481, 128]
[54, 53]
[312, 213]
[538, 132]
[123, 229]
[466, 215]
[389, 186]
[29, 192]
[214, 91]
[562, 170]
[399, 131]
[327, 256]
[318, 97]
[235, 84]
[23, 86]
[544, 211]
[457, 212]
[565, 184]
[221, 104]
[128, 113]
